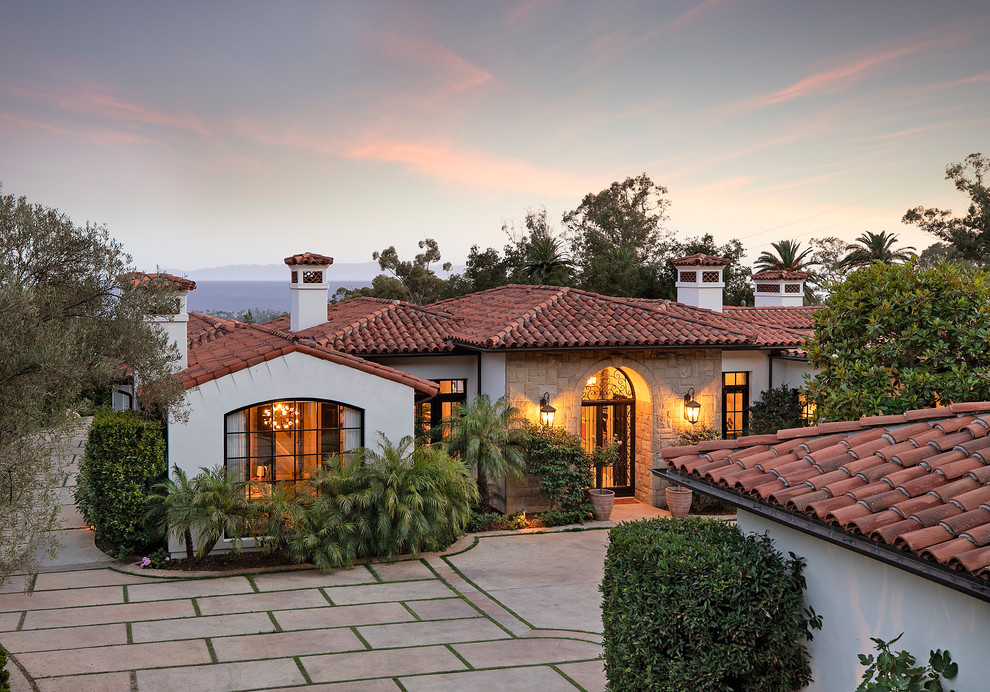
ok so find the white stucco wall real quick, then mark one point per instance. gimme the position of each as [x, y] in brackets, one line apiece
[790, 372]
[388, 406]
[437, 368]
[859, 597]
[493, 375]
[753, 362]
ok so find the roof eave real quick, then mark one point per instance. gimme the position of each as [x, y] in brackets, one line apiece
[967, 584]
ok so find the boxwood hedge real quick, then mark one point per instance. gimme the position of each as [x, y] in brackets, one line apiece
[125, 458]
[692, 604]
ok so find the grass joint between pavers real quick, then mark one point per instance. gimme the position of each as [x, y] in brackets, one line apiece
[492, 598]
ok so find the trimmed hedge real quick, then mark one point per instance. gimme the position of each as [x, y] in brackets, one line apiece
[692, 604]
[4, 674]
[125, 458]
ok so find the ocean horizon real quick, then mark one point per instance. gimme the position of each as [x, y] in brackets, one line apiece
[237, 296]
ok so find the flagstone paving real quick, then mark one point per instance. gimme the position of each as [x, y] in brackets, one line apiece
[498, 612]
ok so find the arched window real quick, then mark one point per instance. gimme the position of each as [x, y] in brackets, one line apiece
[285, 441]
[608, 415]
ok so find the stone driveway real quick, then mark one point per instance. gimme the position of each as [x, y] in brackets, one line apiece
[497, 612]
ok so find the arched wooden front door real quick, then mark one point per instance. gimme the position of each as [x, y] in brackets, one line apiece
[608, 413]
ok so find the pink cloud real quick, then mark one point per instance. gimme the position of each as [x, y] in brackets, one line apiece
[850, 71]
[101, 101]
[454, 74]
[613, 44]
[524, 11]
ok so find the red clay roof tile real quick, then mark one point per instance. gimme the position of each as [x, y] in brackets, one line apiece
[897, 493]
[308, 258]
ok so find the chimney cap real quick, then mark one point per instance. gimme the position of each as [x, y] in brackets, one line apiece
[308, 258]
[700, 260]
[780, 275]
[178, 283]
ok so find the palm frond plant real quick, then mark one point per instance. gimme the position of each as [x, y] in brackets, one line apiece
[224, 509]
[876, 247]
[174, 510]
[546, 262]
[787, 255]
[488, 437]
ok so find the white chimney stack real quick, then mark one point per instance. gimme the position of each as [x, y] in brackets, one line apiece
[777, 288]
[174, 325]
[308, 290]
[699, 281]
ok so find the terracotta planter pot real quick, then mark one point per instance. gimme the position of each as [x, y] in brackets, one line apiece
[602, 501]
[678, 501]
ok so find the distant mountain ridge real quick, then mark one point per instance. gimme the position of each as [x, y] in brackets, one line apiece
[344, 271]
[339, 272]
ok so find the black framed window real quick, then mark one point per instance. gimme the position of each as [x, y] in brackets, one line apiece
[430, 413]
[735, 404]
[285, 441]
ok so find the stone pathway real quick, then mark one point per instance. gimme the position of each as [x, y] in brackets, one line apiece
[498, 612]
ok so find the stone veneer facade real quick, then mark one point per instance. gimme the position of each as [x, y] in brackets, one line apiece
[660, 378]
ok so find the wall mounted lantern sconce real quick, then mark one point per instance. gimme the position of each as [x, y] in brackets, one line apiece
[546, 410]
[691, 407]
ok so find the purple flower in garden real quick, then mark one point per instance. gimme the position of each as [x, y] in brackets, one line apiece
[145, 562]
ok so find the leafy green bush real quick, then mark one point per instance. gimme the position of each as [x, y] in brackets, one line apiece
[125, 457]
[211, 506]
[4, 673]
[696, 435]
[400, 500]
[890, 671]
[898, 337]
[563, 468]
[560, 517]
[692, 604]
[779, 408]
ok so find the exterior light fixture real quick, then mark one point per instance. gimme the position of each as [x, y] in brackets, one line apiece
[546, 410]
[691, 407]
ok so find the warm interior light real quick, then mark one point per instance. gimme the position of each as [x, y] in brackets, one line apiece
[281, 415]
[692, 409]
[547, 411]
[593, 380]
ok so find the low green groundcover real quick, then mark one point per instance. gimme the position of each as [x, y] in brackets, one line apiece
[693, 604]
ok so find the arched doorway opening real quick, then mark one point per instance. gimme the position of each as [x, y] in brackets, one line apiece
[608, 414]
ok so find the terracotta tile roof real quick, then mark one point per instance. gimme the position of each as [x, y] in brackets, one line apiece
[780, 275]
[548, 317]
[918, 482]
[179, 283]
[540, 317]
[305, 258]
[375, 326]
[218, 347]
[786, 317]
[700, 260]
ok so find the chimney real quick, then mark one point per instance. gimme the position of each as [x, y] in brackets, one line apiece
[308, 290]
[777, 288]
[699, 281]
[174, 324]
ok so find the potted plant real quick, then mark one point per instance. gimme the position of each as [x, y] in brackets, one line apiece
[678, 500]
[602, 499]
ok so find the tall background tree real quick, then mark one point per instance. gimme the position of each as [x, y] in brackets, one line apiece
[736, 274]
[786, 255]
[72, 322]
[616, 235]
[969, 235]
[875, 247]
[899, 337]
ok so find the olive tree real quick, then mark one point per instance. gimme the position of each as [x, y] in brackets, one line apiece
[898, 337]
[72, 321]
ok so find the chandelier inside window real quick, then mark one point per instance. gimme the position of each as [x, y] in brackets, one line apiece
[282, 415]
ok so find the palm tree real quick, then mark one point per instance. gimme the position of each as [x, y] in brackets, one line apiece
[875, 247]
[546, 262]
[174, 509]
[788, 257]
[488, 437]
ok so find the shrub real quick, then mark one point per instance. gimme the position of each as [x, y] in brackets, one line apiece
[400, 500]
[4, 673]
[125, 457]
[563, 468]
[897, 671]
[696, 435]
[209, 507]
[692, 604]
[779, 408]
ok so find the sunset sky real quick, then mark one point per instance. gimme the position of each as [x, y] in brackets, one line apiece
[217, 133]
